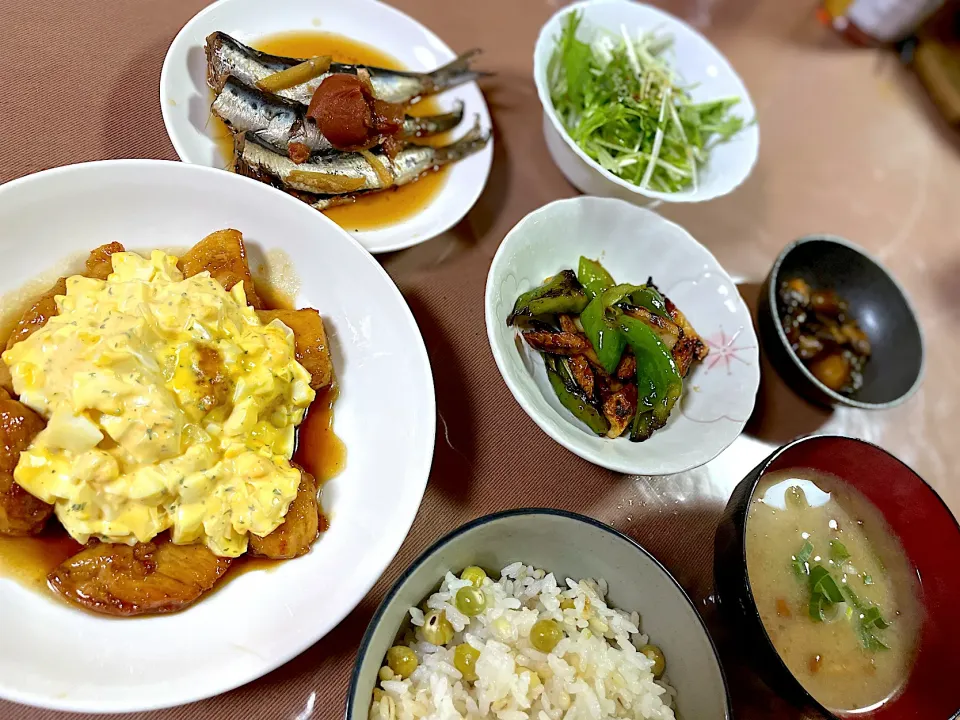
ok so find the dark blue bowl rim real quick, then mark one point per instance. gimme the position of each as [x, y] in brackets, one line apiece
[761, 471]
[483, 520]
[772, 301]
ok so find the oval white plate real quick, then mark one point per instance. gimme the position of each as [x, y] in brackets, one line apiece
[633, 244]
[55, 655]
[697, 61]
[185, 97]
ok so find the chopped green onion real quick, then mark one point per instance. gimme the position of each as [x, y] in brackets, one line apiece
[838, 551]
[867, 579]
[872, 616]
[822, 583]
[851, 597]
[800, 559]
[869, 640]
[820, 608]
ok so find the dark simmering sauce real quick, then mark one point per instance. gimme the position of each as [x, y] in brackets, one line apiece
[380, 209]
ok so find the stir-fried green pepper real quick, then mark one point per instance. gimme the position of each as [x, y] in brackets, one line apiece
[601, 329]
[659, 382]
[607, 340]
[560, 294]
[572, 398]
[648, 297]
[594, 277]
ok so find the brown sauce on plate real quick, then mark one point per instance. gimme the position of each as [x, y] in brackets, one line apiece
[379, 210]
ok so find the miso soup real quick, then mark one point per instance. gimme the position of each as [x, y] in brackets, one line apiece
[835, 591]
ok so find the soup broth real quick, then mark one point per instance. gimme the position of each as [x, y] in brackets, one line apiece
[835, 591]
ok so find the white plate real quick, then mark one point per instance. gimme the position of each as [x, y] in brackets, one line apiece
[185, 97]
[633, 244]
[55, 655]
[696, 60]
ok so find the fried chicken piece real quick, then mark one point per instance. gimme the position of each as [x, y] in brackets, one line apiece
[686, 352]
[224, 256]
[582, 373]
[147, 578]
[568, 325]
[619, 407]
[557, 343]
[700, 349]
[36, 316]
[667, 331]
[100, 262]
[627, 369]
[311, 342]
[301, 525]
[20, 512]
[45, 307]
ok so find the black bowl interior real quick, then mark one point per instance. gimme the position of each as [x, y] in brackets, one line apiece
[877, 303]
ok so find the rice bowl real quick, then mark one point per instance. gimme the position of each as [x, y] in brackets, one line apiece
[596, 670]
[570, 546]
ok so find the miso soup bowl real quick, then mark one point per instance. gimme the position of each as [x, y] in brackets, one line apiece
[929, 535]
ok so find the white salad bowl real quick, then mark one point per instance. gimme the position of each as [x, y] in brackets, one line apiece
[56, 655]
[185, 98]
[633, 244]
[696, 61]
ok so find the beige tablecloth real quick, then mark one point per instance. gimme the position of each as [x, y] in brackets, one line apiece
[849, 145]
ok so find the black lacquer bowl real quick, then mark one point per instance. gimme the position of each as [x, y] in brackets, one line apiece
[880, 306]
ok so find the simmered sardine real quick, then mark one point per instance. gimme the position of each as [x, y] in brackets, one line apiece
[227, 56]
[349, 173]
[277, 122]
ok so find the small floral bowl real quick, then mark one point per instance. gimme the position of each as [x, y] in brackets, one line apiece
[633, 244]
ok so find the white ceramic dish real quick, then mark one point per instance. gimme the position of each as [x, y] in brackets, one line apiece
[185, 97]
[633, 244]
[58, 656]
[570, 546]
[696, 60]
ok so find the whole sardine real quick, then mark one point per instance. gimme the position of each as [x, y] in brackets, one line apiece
[227, 56]
[352, 170]
[277, 122]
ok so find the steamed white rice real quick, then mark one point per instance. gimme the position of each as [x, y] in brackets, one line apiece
[594, 672]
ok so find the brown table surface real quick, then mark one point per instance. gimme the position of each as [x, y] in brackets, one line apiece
[850, 145]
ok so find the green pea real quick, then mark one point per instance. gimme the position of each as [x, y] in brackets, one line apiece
[474, 574]
[545, 634]
[471, 601]
[402, 660]
[659, 661]
[465, 660]
[437, 630]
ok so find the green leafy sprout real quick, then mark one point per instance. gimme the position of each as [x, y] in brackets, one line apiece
[621, 102]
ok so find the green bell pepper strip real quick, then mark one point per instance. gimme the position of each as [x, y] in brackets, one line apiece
[561, 294]
[647, 297]
[594, 277]
[602, 330]
[658, 380]
[573, 400]
[607, 340]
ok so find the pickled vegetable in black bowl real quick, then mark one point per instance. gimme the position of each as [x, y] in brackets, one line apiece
[824, 334]
[859, 342]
